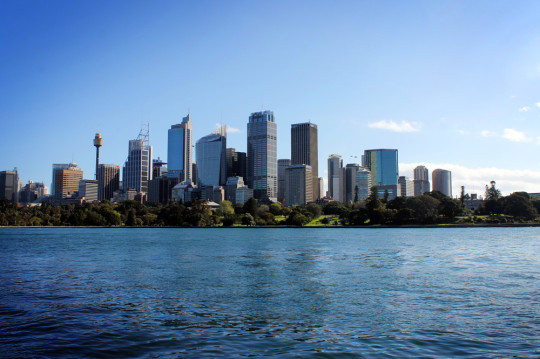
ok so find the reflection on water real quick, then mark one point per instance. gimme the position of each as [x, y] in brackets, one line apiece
[270, 292]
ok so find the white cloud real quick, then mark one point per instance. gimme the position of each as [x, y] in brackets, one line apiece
[538, 104]
[515, 136]
[229, 128]
[487, 133]
[475, 179]
[404, 126]
[524, 109]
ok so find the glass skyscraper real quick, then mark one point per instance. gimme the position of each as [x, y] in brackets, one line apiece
[210, 152]
[383, 164]
[262, 155]
[179, 149]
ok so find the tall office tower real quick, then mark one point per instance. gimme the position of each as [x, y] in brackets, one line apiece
[421, 180]
[304, 151]
[210, 152]
[98, 142]
[299, 187]
[334, 164]
[363, 183]
[179, 150]
[108, 181]
[442, 181]
[383, 164]
[89, 190]
[350, 181]
[236, 163]
[406, 186]
[9, 185]
[57, 166]
[282, 179]
[138, 167]
[262, 156]
[66, 181]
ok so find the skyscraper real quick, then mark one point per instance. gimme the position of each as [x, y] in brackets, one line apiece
[262, 155]
[304, 151]
[282, 179]
[421, 180]
[89, 190]
[383, 164]
[335, 163]
[406, 186]
[57, 166]
[138, 167]
[179, 149]
[210, 152]
[108, 181]
[236, 163]
[363, 183]
[9, 185]
[442, 181]
[299, 187]
[66, 181]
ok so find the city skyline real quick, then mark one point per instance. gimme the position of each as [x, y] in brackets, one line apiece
[450, 85]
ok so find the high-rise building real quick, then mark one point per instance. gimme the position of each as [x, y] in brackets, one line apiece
[335, 163]
[158, 168]
[262, 155]
[442, 181]
[108, 181]
[236, 163]
[363, 183]
[160, 188]
[179, 149]
[138, 167]
[383, 164]
[32, 191]
[66, 181]
[321, 187]
[299, 187]
[57, 166]
[421, 180]
[89, 190]
[194, 174]
[406, 186]
[282, 179]
[9, 185]
[210, 152]
[304, 151]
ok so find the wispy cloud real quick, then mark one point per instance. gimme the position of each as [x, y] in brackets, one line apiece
[515, 136]
[403, 126]
[229, 128]
[475, 179]
[524, 109]
[487, 133]
[538, 104]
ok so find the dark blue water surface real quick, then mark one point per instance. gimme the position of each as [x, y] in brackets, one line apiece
[324, 293]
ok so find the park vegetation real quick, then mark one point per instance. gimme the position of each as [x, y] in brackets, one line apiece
[433, 208]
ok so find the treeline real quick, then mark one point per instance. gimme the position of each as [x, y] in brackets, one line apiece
[430, 208]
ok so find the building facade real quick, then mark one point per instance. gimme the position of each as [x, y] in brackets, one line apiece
[363, 183]
[282, 179]
[66, 181]
[138, 167]
[210, 153]
[442, 181]
[335, 163]
[88, 189]
[236, 163]
[9, 185]
[179, 149]
[108, 181]
[383, 165]
[421, 180]
[262, 155]
[304, 151]
[406, 186]
[299, 187]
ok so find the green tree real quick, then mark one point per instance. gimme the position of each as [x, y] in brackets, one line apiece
[251, 206]
[225, 208]
[248, 220]
[492, 193]
[519, 205]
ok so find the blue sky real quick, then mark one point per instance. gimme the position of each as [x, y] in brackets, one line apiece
[450, 84]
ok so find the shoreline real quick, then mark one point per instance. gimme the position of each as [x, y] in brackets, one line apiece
[415, 226]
